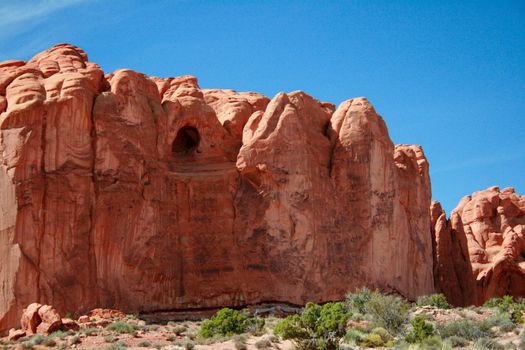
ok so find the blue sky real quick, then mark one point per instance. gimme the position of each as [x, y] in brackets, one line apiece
[449, 75]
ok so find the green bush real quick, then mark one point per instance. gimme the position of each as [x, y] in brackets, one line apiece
[372, 340]
[501, 320]
[49, 342]
[357, 301]
[122, 327]
[90, 331]
[387, 311]
[354, 336]
[487, 344]
[37, 339]
[420, 330]
[433, 342]
[458, 342]
[179, 329]
[379, 337]
[507, 305]
[436, 300]
[184, 343]
[317, 327]
[503, 304]
[144, 344]
[517, 313]
[468, 329]
[228, 322]
[117, 346]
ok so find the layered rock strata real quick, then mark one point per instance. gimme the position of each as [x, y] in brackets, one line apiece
[147, 194]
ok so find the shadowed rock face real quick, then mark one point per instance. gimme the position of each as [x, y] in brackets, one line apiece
[147, 194]
[480, 251]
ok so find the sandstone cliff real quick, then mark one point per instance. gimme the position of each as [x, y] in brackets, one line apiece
[144, 194]
[480, 251]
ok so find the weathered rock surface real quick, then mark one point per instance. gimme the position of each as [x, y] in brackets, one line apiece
[41, 319]
[149, 194]
[480, 250]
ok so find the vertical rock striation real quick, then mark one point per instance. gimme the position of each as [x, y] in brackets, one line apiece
[480, 251]
[149, 194]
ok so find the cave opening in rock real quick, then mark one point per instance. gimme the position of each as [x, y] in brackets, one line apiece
[186, 141]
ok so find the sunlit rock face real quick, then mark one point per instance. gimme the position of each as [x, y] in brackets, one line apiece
[147, 194]
[480, 250]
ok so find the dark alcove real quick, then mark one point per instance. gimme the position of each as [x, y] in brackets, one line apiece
[186, 141]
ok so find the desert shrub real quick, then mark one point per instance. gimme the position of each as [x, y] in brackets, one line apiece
[131, 317]
[228, 322]
[317, 327]
[61, 334]
[507, 305]
[436, 300]
[433, 342]
[501, 320]
[387, 311]
[110, 339]
[240, 342]
[354, 336]
[372, 340]
[152, 327]
[458, 342]
[117, 346]
[503, 304]
[263, 343]
[357, 301]
[379, 337]
[421, 330]
[185, 343]
[273, 339]
[49, 342]
[37, 339]
[27, 345]
[144, 344]
[90, 331]
[74, 340]
[487, 344]
[468, 329]
[179, 329]
[383, 333]
[122, 327]
[516, 314]
[255, 325]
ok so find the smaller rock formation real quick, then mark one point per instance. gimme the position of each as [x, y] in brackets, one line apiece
[40, 319]
[15, 334]
[480, 250]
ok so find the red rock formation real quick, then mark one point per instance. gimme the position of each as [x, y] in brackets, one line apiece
[147, 194]
[41, 319]
[481, 250]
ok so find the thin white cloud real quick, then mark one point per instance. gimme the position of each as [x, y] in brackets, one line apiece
[23, 11]
[477, 162]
